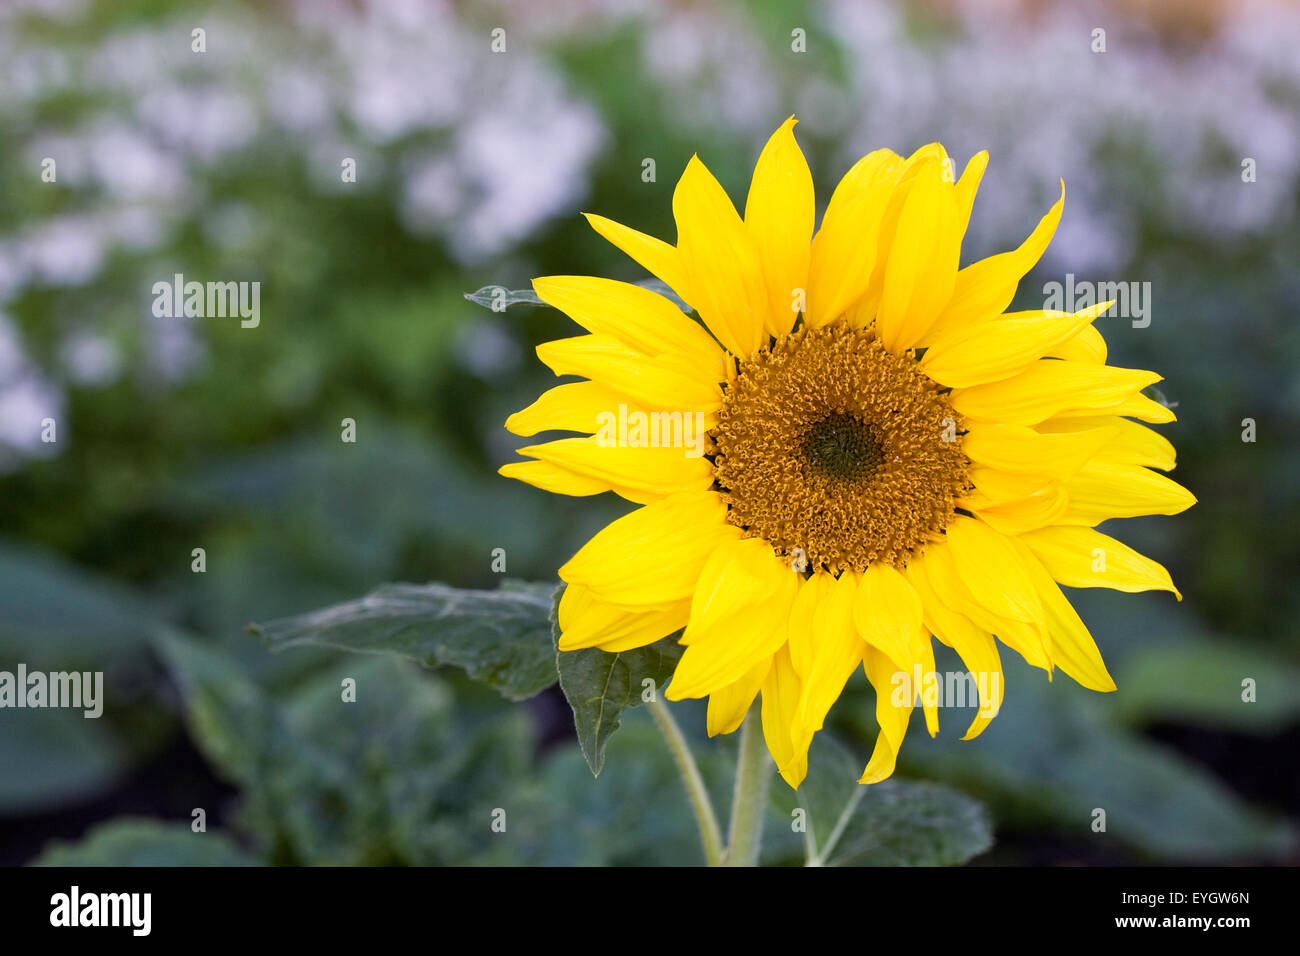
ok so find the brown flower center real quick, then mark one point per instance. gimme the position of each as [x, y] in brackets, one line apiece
[831, 448]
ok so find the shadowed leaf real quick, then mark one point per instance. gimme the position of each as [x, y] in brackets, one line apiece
[129, 842]
[893, 823]
[600, 685]
[497, 637]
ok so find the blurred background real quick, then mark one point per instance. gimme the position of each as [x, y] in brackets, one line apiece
[472, 166]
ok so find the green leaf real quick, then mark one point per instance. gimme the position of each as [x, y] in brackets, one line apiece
[497, 637]
[229, 715]
[1199, 682]
[403, 772]
[600, 686]
[893, 823]
[55, 616]
[53, 757]
[131, 842]
[52, 612]
[498, 298]
[1055, 754]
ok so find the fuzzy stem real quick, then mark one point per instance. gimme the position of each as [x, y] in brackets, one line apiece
[710, 832]
[749, 802]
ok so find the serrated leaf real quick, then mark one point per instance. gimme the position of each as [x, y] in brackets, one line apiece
[399, 770]
[497, 637]
[893, 823]
[913, 823]
[499, 298]
[131, 842]
[600, 685]
[1057, 755]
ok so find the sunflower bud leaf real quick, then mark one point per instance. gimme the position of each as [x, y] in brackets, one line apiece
[600, 685]
[498, 298]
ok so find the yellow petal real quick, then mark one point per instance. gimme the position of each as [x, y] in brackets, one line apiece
[992, 571]
[844, 250]
[1073, 649]
[788, 746]
[1013, 502]
[654, 255]
[836, 653]
[1101, 490]
[779, 215]
[922, 263]
[900, 175]
[1018, 449]
[892, 714]
[730, 293]
[873, 168]
[1135, 406]
[1024, 637]
[929, 155]
[887, 612]
[975, 646]
[664, 381]
[1133, 444]
[998, 348]
[573, 407]
[638, 474]
[643, 320]
[1037, 509]
[554, 478]
[986, 288]
[739, 615]
[967, 186]
[653, 555]
[728, 706]
[1049, 387]
[737, 576]
[586, 621]
[1002, 486]
[812, 592]
[1087, 346]
[1086, 558]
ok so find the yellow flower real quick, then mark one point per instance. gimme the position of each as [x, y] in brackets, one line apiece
[862, 451]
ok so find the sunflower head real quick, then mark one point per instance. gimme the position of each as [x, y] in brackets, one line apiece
[885, 455]
[832, 449]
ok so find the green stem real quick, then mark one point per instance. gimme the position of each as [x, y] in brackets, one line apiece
[710, 832]
[749, 802]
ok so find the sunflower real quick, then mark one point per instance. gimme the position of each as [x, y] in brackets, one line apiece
[885, 454]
